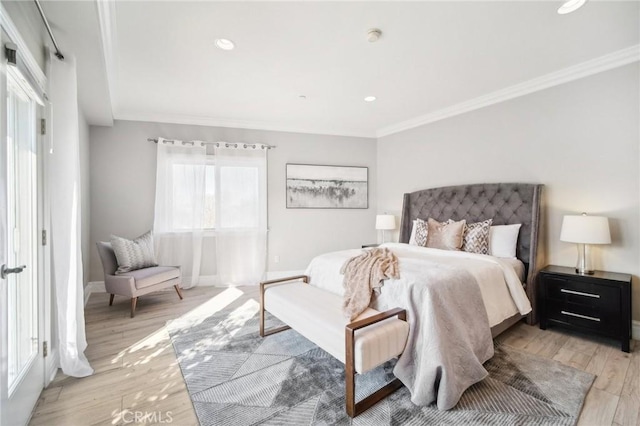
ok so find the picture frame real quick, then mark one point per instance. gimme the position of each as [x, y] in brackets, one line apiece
[312, 186]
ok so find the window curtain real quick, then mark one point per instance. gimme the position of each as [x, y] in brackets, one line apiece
[179, 208]
[241, 215]
[63, 179]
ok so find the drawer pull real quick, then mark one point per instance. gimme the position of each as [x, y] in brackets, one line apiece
[579, 293]
[571, 314]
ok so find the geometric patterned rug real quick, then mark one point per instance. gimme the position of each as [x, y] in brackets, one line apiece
[235, 377]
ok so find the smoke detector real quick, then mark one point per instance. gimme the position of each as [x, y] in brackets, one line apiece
[373, 35]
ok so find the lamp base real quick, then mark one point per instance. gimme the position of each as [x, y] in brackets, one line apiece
[583, 266]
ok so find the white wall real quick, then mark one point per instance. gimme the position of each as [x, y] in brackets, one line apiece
[122, 180]
[26, 18]
[581, 140]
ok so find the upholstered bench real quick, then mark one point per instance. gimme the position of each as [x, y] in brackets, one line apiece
[371, 340]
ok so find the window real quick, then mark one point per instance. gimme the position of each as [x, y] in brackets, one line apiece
[231, 196]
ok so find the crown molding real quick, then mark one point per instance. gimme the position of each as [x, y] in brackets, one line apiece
[238, 124]
[603, 63]
[108, 31]
[23, 50]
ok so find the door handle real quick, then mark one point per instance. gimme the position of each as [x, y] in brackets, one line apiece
[4, 271]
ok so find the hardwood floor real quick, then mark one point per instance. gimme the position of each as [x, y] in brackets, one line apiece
[136, 372]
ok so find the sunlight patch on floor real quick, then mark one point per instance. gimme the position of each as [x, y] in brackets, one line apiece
[212, 306]
[159, 339]
[236, 319]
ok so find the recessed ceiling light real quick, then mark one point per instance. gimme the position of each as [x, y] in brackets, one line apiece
[571, 6]
[303, 97]
[224, 44]
[370, 99]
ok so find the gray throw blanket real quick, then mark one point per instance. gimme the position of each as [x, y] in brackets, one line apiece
[363, 274]
[449, 336]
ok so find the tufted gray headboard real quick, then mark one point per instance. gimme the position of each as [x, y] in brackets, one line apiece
[505, 203]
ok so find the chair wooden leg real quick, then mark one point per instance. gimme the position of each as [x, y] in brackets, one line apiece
[177, 287]
[134, 302]
[111, 299]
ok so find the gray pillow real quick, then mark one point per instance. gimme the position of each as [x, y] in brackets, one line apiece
[445, 235]
[476, 237]
[134, 254]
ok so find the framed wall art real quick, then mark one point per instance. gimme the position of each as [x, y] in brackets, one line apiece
[327, 187]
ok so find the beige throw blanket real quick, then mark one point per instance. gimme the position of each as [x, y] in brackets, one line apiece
[363, 274]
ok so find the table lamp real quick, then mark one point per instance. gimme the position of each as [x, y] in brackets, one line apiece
[585, 230]
[385, 222]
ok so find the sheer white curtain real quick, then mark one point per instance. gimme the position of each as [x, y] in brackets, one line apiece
[241, 215]
[63, 179]
[180, 216]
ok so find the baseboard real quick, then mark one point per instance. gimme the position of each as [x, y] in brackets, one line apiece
[98, 286]
[93, 287]
[635, 330]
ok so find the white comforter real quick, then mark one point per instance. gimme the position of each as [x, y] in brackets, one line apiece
[502, 292]
[443, 292]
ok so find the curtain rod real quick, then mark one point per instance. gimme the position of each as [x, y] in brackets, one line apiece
[46, 24]
[217, 144]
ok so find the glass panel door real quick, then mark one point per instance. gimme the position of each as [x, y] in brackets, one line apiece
[21, 355]
[22, 194]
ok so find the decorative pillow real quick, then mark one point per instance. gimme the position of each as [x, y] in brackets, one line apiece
[476, 237]
[419, 233]
[445, 235]
[134, 254]
[503, 240]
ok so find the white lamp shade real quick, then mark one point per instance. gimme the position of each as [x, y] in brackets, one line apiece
[385, 222]
[585, 230]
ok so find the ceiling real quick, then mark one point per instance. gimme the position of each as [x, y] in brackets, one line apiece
[162, 65]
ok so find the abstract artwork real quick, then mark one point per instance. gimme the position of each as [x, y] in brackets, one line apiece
[327, 187]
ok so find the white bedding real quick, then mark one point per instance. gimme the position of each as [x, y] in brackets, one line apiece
[502, 291]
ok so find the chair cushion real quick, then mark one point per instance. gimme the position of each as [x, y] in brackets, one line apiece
[151, 276]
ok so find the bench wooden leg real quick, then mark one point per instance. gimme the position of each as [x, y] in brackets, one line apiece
[264, 332]
[356, 408]
[263, 284]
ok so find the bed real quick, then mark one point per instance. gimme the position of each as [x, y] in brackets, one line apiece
[505, 203]
[450, 331]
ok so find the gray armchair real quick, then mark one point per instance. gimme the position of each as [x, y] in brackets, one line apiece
[135, 283]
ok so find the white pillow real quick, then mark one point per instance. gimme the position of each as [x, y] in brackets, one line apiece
[503, 240]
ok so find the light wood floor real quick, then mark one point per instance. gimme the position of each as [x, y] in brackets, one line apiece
[136, 371]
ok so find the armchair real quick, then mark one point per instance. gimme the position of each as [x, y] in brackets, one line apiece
[135, 283]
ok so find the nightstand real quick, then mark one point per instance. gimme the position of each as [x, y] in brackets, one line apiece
[598, 303]
[370, 245]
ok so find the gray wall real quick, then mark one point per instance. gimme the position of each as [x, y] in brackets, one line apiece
[122, 180]
[580, 139]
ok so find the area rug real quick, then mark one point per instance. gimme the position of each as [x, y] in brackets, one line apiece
[235, 377]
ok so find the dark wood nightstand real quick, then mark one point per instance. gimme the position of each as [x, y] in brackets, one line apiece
[370, 245]
[598, 303]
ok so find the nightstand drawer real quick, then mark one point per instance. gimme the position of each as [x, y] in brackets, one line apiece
[583, 316]
[582, 293]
